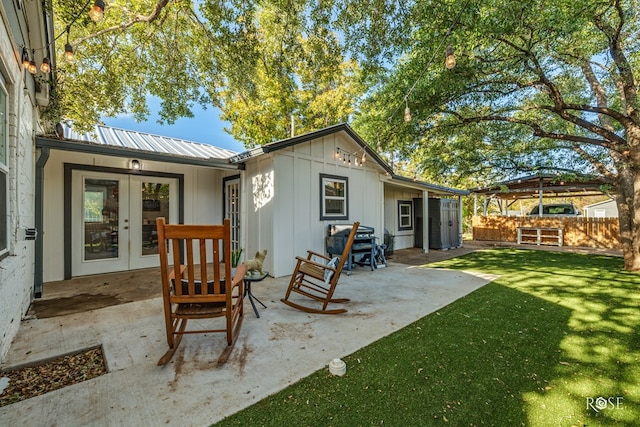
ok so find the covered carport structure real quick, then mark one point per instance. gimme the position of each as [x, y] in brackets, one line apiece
[558, 230]
[536, 186]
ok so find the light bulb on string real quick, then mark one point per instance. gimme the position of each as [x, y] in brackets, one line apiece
[450, 61]
[96, 12]
[407, 112]
[45, 67]
[68, 53]
[25, 58]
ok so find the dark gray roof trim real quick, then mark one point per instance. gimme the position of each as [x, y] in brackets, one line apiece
[129, 143]
[107, 150]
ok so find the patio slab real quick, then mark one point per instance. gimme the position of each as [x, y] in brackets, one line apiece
[193, 389]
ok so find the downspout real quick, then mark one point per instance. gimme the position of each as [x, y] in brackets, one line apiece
[39, 204]
[460, 221]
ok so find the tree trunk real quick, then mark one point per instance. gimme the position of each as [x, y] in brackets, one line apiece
[628, 201]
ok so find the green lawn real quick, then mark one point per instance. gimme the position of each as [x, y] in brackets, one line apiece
[554, 341]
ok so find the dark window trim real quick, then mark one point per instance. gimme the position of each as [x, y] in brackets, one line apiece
[323, 215]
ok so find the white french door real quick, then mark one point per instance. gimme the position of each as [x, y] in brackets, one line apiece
[113, 220]
[232, 209]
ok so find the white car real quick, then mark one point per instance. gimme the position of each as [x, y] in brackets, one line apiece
[559, 209]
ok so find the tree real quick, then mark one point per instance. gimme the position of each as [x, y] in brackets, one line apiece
[259, 62]
[536, 84]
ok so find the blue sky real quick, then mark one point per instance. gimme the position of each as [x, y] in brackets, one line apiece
[204, 126]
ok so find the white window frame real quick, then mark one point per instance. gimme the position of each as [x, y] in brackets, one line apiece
[328, 179]
[4, 167]
[405, 215]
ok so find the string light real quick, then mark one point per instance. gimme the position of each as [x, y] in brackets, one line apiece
[45, 67]
[25, 58]
[450, 60]
[96, 12]
[68, 53]
[407, 111]
[345, 157]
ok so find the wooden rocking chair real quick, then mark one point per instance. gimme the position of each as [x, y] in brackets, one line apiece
[192, 291]
[318, 280]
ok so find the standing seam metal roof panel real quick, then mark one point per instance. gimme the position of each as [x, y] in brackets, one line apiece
[115, 137]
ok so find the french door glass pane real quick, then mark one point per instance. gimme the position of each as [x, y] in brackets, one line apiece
[101, 212]
[155, 203]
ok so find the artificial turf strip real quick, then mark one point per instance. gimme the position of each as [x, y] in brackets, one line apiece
[554, 333]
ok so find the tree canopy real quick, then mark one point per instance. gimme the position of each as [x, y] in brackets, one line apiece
[265, 65]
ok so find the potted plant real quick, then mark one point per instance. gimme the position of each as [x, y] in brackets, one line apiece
[235, 259]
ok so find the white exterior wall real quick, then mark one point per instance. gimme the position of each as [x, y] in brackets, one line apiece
[257, 201]
[203, 198]
[403, 238]
[17, 267]
[607, 209]
[287, 221]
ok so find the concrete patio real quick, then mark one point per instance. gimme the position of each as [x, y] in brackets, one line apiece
[193, 389]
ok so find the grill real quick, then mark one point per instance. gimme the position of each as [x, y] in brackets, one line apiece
[363, 249]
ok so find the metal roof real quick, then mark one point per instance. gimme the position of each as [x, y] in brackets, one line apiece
[141, 141]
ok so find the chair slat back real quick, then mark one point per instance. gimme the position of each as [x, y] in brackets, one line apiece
[347, 249]
[206, 245]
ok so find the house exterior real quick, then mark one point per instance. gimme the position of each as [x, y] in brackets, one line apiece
[603, 209]
[102, 192]
[24, 28]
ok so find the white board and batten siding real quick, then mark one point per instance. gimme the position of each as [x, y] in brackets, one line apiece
[284, 217]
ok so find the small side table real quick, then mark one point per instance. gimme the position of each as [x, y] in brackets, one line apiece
[247, 289]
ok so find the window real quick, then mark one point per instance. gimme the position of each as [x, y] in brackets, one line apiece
[405, 215]
[4, 170]
[333, 197]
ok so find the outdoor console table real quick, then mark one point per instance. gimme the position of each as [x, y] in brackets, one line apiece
[247, 289]
[540, 235]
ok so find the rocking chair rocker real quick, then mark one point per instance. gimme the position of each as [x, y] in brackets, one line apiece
[318, 280]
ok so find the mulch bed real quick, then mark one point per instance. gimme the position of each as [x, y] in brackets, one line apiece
[52, 375]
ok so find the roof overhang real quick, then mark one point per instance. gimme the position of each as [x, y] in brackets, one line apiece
[433, 189]
[93, 148]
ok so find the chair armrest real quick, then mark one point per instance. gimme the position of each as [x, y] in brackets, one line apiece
[317, 264]
[241, 271]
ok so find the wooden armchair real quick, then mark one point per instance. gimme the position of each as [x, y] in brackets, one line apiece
[318, 280]
[192, 291]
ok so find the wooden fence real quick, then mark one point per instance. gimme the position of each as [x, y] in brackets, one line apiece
[589, 232]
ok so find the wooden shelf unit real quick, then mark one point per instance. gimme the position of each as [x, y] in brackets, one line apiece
[540, 236]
